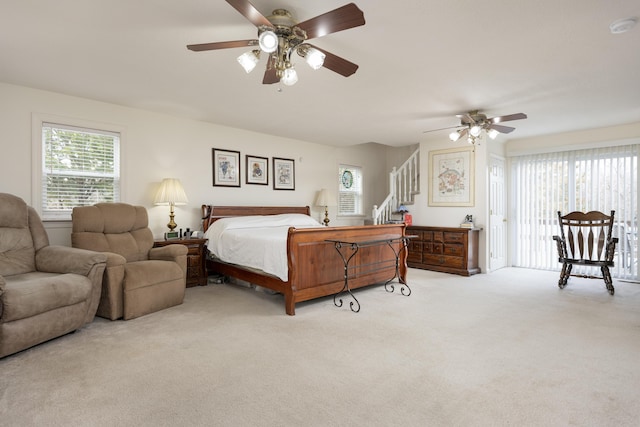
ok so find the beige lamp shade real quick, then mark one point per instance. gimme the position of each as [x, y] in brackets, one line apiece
[171, 192]
[324, 198]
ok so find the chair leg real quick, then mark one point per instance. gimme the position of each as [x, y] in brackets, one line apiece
[564, 275]
[607, 279]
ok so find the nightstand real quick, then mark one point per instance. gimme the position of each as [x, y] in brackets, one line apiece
[196, 272]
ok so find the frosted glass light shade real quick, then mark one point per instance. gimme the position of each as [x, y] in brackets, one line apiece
[492, 133]
[268, 41]
[289, 77]
[248, 60]
[315, 58]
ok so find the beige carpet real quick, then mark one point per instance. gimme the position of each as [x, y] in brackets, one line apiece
[501, 349]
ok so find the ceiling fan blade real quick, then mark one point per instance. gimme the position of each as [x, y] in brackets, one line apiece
[435, 130]
[270, 76]
[508, 117]
[221, 45]
[247, 10]
[465, 119]
[337, 64]
[502, 129]
[342, 18]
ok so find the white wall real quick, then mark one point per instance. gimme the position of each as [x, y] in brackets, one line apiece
[155, 146]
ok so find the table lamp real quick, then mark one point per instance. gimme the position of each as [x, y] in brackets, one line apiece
[171, 193]
[402, 209]
[325, 199]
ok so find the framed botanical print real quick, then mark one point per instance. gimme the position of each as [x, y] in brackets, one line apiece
[451, 177]
[226, 167]
[284, 174]
[257, 170]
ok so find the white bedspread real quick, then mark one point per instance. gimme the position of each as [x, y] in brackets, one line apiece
[256, 241]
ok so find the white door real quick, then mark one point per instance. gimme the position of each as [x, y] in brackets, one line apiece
[497, 214]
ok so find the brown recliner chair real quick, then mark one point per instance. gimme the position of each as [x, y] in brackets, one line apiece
[45, 291]
[139, 279]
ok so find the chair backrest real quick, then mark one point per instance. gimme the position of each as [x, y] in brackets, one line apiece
[113, 227]
[587, 234]
[21, 236]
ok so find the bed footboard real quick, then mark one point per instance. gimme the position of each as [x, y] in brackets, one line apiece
[317, 270]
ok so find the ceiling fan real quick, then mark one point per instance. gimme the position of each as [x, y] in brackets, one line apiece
[473, 123]
[279, 36]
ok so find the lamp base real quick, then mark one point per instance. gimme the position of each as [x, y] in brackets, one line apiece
[172, 224]
[326, 217]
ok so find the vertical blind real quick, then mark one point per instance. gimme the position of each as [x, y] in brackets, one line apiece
[599, 179]
[79, 167]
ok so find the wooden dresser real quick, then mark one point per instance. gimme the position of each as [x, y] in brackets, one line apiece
[445, 249]
[196, 272]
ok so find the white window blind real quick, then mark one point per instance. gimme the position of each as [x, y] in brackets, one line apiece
[80, 167]
[350, 190]
[600, 179]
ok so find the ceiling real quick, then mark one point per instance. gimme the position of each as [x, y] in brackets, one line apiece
[421, 63]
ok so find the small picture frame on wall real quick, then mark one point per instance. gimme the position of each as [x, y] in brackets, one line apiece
[226, 167]
[284, 174]
[257, 170]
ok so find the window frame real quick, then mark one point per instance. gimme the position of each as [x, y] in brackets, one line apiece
[359, 195]
[40, 120]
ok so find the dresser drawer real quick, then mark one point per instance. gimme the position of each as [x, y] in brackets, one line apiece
[443, 260]
[453, 237]
[193, 249]
[436, 248]
[453, 249]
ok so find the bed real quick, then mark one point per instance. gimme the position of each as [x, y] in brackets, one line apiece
[314, 268]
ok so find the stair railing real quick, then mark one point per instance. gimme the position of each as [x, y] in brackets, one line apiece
[404, 183]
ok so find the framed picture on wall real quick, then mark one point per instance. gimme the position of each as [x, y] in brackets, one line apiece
[451, 177]
[226, 167]
[284, 174]
[257, 170]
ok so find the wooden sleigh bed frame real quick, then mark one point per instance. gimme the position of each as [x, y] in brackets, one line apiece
[315, 267]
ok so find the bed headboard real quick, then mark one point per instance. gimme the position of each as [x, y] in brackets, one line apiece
[211, 213]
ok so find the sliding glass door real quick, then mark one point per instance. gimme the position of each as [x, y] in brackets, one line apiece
[600, 179]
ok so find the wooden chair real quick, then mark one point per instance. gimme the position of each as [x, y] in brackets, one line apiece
[585, 239]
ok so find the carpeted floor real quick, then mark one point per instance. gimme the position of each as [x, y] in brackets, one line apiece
[502, 349]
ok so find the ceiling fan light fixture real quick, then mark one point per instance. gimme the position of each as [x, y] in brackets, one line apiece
[454, 136]
[314, 58]
[268, 41]
[492, 133]
[249, 60]
[289, 76]
[475, 130]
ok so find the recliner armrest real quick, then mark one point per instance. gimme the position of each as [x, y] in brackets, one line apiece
[168, 253]
[64, 259]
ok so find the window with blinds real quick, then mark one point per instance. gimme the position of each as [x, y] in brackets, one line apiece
[600, 179]
[350, 190]
[80, 167]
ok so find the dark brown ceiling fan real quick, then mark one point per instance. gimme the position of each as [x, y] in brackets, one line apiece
[279, 36]
[473, 123]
